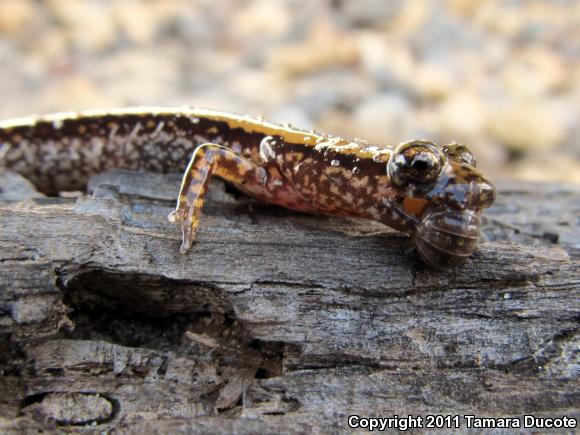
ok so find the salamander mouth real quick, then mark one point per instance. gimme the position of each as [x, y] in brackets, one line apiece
[446, 237]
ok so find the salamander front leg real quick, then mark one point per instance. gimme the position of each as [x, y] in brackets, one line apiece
[210, 159]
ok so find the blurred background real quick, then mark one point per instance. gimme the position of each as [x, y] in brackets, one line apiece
[501, 76]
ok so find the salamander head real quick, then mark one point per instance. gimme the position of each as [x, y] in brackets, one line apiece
[440, 189]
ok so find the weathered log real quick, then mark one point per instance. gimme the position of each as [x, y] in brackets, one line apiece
[276, 321]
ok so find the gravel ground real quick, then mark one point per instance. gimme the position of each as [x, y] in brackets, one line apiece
[502, 76]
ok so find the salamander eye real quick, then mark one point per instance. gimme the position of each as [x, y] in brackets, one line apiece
[417, 162]
[460, 153]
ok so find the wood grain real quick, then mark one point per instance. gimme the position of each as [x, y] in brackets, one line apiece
[275, 321]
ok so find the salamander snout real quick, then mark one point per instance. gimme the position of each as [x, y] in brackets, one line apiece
[475, 194]
[446, 237]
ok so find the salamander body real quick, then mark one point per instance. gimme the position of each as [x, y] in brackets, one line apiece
[435, 194]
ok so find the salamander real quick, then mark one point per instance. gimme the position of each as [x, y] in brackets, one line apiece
[435, 194]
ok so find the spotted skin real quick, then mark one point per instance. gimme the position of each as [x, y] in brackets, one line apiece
[208, 160]
[434, 194]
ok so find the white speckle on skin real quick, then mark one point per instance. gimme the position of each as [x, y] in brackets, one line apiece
[27, 151]
[157, 129]
[128, 145]
[4, 147]
[111, 137]
[236, 147]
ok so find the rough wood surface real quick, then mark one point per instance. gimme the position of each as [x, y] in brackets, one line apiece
[275, 321]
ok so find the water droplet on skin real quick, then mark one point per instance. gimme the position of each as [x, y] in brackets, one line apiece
[335, 163]
[355, 170]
